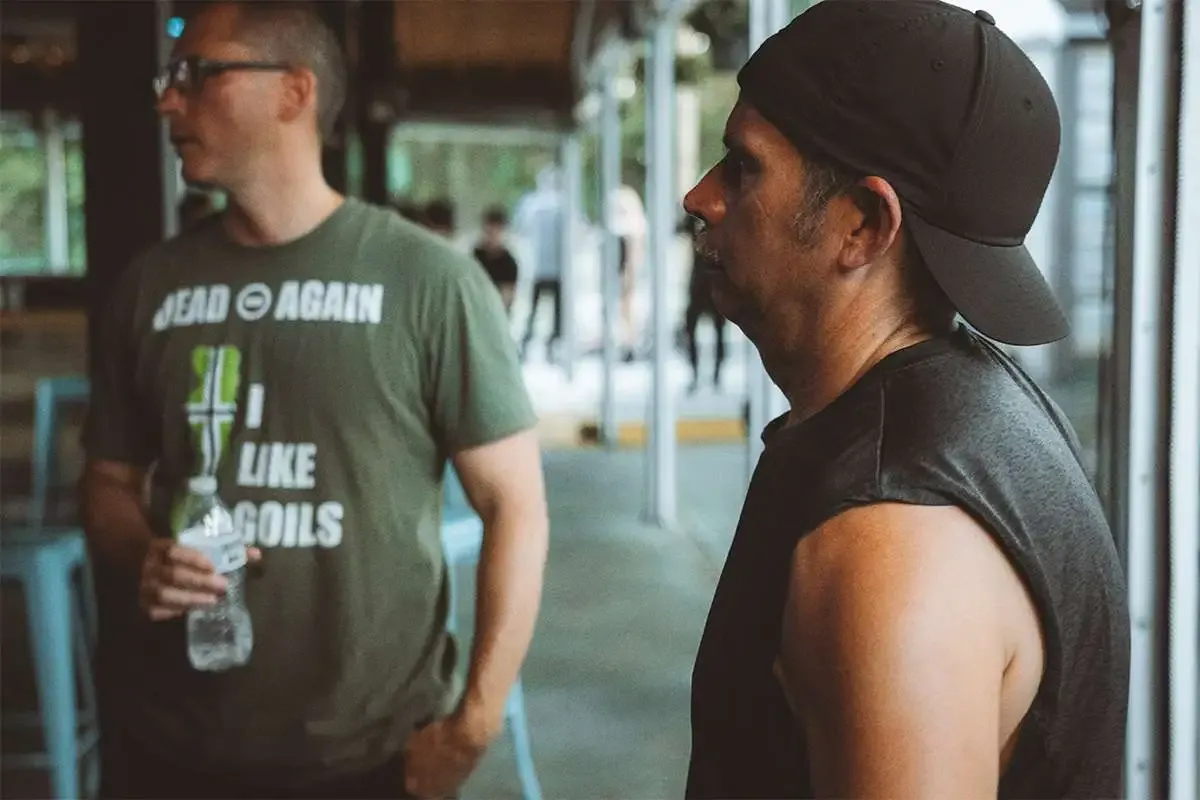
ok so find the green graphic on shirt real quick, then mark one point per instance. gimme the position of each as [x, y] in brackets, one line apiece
[211, 408]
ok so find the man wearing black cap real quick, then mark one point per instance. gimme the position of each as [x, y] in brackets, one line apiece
[923, 598]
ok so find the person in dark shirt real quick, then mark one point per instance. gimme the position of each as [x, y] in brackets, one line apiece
[439, 218]
[923, 597]
[700, 304]
[410, 211]
[492, 252]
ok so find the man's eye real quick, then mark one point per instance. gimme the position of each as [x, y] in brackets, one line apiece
[734, 167]
[733, 164]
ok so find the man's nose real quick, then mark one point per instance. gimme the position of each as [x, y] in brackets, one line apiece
[705, 201]
[170, 103]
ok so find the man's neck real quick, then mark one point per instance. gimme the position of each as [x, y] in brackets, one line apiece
[280, 208]
[815, 377]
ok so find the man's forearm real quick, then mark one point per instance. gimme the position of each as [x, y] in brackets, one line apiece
[508, 595]
[115, 523]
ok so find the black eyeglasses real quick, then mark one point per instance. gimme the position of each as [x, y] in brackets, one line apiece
[188, 74]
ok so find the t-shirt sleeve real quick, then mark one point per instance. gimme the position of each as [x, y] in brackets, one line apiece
[116, 427]
[478, 392]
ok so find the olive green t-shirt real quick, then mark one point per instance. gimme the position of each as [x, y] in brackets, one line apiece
[324, 382]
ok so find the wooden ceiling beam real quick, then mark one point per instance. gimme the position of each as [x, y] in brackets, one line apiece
[467, 33]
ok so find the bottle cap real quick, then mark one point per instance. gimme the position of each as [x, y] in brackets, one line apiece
[202, 485]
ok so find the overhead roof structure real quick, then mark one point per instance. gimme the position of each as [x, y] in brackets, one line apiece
[503, 60]
[478, 61]
[486, 60]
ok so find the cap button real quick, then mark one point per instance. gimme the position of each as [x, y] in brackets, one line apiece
[986, 17]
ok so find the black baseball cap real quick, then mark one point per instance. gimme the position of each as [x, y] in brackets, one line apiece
[940, 103]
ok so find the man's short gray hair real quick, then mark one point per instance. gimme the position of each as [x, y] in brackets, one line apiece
[294, 33]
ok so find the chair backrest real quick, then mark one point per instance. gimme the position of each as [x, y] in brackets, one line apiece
[462, 536]
[454, 497]
[48, 394]
[462, 529]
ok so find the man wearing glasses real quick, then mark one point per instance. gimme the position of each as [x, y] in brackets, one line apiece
[321, 359]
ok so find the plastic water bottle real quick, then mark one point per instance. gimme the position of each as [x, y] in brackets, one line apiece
[219, 636]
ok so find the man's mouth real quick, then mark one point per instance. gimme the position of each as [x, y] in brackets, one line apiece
[707, 257]
[705, 253]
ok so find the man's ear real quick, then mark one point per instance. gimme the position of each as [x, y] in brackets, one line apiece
[299, 93]
[876, 222]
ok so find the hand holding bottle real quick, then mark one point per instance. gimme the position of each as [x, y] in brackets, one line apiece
[176, 579]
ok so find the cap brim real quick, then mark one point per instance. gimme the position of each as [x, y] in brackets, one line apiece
[998, 290]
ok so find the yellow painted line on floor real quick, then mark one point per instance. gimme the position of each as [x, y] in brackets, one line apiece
[687, 431]
[584, 433]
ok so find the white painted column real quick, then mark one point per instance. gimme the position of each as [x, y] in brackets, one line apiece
[1145, 339]
[1062, 199]
[662, 205]
[571, 166]
[610, 256]
[687, 140]
[460, 188]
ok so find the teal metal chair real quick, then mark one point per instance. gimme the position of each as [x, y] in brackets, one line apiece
[462, 539]
[49, 395]
[51, 565]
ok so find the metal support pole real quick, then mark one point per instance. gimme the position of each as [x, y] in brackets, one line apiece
[1066, 183]
[171, 177]
[1115, 374]
[779, 13]
[765, 399]
[571, 164]
[610, 181]
[662, 215]
[1146, 320]
[1184, 458]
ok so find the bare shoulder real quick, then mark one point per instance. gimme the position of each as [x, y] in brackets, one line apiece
[887, 537]
[895, 569]
[901, 628]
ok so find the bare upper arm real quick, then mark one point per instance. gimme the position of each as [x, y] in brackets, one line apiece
[507, 471]
[898, 632]
[114, 473]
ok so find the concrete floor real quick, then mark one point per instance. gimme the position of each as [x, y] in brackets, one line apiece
[607, 679]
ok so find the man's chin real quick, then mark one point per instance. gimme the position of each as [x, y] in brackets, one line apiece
[723, 296]
[195, 174]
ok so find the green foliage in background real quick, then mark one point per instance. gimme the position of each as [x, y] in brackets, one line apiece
[23, 200]
[22, 197]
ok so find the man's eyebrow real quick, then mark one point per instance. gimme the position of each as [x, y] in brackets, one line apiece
[737, 148]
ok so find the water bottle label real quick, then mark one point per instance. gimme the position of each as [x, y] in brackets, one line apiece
[230, 557]
[227, 552]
